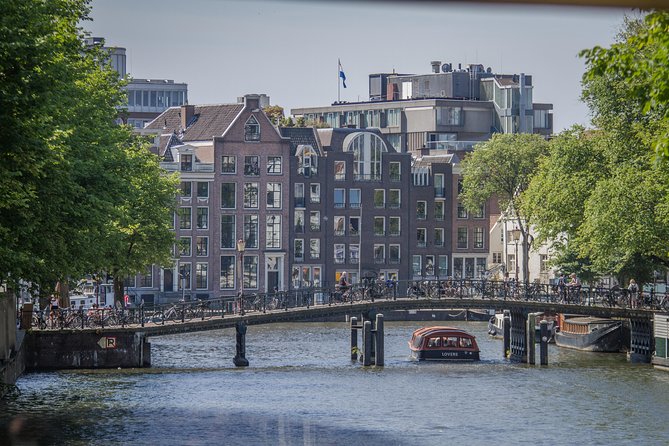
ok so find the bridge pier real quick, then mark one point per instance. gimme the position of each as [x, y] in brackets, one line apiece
[372, 339]
[240, 358]
[641, 340]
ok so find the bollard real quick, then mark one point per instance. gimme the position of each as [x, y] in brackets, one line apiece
[531, 338]
[367, 343]
[543, 348]
[507, 334]
[354, 339]
[240, 358]
[379, 341]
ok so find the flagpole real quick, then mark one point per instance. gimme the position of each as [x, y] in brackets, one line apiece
[338, 83]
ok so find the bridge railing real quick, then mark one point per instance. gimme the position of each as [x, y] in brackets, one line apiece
[423, 289]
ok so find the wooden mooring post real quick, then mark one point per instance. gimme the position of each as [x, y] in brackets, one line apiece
[372, 352]
[240, 357]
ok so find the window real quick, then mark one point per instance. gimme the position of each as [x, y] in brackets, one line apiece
[460, 186]
[449, 115]
[367, 151]
[339, 198]
[394, 254]
[395, 171]
[421, 210]
[315, 248]
[439, 189]
[462, 211]
[394, 226]
[421, 240]
[379, 253]
[497, 257]
[228, 164]
[439, 208]
[543, 263]
[202, 189]
[416, 265]
[201, 276]
[443, 266]
[250, 195]
[186, 163]
[511, 262]
[251, 165]
[340, 253]
[185, 218]
[298, 249]
[274, 165]
[478, 238]
[251, 231]
[429, 265]
[252, 130]
[354, 226]
[186, 189]
[228, 195]
[202, 218]
[480, 267]
[457, 267]
[480, 212]
[379, 198]
[274, 195]
[394, 199]
[228, 229]
[146, 279]
[439, 237]
[339, 228]
[184, 246]
[462, 238]
[250, 272]
[379, 226]
[340, 170]
[299, 195]
[184, 276]
[315, 193]
[273, 232]
[354, 197]
[354, 253]
[315, 220]
[393, 117]
[299, 221]
[202, 246]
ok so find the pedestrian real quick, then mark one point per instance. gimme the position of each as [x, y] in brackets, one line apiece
[633, 289]
[561, 286]
[574, 286]
[54, 305]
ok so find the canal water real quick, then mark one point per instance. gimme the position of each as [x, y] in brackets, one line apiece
[302, 389]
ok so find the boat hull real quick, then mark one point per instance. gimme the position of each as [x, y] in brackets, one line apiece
[607, 340]
[445, 355]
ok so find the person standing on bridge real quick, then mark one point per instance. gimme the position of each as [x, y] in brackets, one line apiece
[574, 286]
[633, 289]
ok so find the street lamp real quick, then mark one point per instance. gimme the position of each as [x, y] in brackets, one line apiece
[515, 235]
[241, 246]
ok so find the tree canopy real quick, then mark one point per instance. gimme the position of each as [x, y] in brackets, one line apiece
[501, 168]
[67, 169]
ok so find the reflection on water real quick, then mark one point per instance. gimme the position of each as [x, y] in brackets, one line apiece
[301, 388]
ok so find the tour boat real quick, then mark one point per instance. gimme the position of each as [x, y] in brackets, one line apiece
[443, 344]
[589, 334]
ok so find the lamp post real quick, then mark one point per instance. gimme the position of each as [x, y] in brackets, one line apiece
[241, 246]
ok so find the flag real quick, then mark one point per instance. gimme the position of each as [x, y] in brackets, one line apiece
[341, 74]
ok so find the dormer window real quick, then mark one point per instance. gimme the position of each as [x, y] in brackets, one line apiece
[186, 163]
[252, 130]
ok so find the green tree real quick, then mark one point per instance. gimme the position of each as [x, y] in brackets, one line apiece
[65, 164]
[274, 113]
[501, 169]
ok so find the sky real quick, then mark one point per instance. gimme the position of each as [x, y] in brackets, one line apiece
[289, 50]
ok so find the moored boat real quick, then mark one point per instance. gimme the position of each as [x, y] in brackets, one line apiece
[443, 344]
[590, 334]
[496, 326]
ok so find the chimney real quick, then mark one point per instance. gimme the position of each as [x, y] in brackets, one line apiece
[435, 65]
[252, 101]
[187, 112]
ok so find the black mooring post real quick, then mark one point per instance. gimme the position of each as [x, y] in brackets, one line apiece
[543, 346]
[530, 338]
[367, 343]
[507, 334]
[379, 354]
[240, 358]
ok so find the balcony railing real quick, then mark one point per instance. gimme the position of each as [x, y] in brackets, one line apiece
[340, 205]
[353, 205]
[361, 177]
[339, 260]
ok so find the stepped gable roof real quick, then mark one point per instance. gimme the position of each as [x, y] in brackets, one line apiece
[208, 121]
[300, 136]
